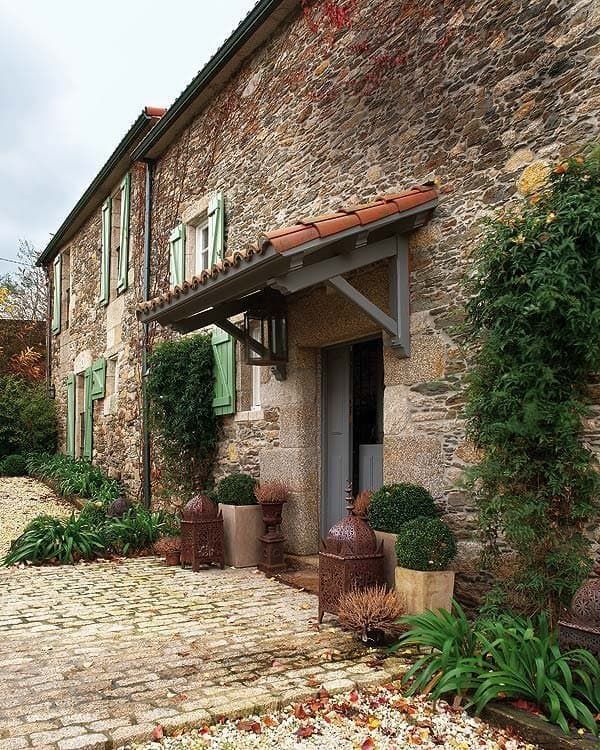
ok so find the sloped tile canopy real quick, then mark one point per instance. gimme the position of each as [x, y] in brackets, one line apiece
[315, 250]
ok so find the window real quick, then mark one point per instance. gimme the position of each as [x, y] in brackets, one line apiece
[202, 247]
[114, 266]
[66, 287]
[256, 373]
[115, 241]
[79, 414]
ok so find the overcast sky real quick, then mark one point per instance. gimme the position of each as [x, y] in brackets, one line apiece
[73, 77]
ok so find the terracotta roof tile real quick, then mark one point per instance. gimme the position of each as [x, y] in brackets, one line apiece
[309, 229]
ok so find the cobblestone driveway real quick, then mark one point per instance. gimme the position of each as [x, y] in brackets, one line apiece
[95, 655]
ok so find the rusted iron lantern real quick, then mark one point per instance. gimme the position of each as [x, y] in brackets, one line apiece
[266, 323]
[202, 534]
[349, 559]
[581, 627]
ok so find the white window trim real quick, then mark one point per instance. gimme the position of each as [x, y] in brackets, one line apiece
[203, 223]
[256, 403]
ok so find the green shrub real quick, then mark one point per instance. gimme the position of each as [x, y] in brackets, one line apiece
[425, 544]
[13, 465]
[237, 489]
[138, 529]
[395, 504]
[52, 539]
[532, 332]
[94, 514]
[506, 658]
[27, 417]
[180, 387]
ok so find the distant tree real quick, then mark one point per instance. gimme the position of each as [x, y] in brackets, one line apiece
[24, 293]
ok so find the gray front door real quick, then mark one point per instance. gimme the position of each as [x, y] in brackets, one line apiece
[336, 434]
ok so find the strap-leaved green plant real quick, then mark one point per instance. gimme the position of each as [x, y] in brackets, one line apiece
[534, 328]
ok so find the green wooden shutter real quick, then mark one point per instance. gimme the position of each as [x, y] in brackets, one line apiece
[88, 433]
[177, 255]
[57, 293]
[124, 240]
[98, 378]
[105, 260]
[216, 227]
[71, 416]
[224, 369]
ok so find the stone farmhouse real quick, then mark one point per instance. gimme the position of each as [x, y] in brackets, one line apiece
[322, 178]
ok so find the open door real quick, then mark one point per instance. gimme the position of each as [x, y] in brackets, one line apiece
[352, 424]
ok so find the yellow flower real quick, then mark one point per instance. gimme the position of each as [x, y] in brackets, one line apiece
[551, 217]
[519, 239]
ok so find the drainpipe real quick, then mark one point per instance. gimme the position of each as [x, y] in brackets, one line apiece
[48, 333]
[146, 463]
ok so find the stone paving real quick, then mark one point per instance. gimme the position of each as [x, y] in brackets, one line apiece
[95, 655]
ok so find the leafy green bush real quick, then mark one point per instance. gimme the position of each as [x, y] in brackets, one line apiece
[74, 477]
[511, 657]
[93, 513]
[13, 465]
[237, 489]
[52, 539]
[395, 504]
[138, 529]
[532, 328]
[425, 544]
[180, 387]
[27, 417]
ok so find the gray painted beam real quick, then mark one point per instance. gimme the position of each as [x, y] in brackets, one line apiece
[317, 273]
[400, 296]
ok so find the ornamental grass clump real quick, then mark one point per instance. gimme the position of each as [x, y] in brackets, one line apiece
[237, 489]
[425, 544]
[371, 610]
[393, 505]
[532, 327]
[270, 493]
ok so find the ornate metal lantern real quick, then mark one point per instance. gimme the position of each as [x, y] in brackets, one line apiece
[202, 534]
[265, 328]
[349, 559]
[581, 627]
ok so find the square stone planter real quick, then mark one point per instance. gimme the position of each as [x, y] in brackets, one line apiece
[242, 525]
[389, 556]
[423, 590]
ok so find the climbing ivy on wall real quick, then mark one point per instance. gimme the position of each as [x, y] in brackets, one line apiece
[180, 388]
[534, 328]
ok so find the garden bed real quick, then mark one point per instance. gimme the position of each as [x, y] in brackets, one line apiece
[376, 719]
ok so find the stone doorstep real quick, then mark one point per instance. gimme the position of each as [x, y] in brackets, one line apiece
[535, 729]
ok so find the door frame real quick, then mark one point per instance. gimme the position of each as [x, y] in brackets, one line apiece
[323, 409]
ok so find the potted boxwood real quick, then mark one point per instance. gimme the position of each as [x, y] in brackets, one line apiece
[242, 520]
[424, 549]
[389, 508]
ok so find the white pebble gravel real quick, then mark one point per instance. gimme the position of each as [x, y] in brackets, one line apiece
[378, 719]
[21, 500]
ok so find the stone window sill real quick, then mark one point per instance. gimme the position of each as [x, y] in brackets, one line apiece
[254, 415]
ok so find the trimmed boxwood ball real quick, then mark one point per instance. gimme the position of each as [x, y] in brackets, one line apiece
[237, 489]
[395, 504]
[425, 544]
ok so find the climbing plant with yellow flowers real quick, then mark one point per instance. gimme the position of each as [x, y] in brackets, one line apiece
[534, 328]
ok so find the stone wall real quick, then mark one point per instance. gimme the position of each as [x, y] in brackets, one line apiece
[478, 96]
[105, 331]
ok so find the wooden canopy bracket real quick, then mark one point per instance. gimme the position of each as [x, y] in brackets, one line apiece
[397, 325]
[279, 371]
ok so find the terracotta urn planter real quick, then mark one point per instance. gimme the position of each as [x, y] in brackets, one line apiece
[242, 526]
[272, 513]
[423, 590]
[173, 557]
[272, 539]
[388, 545]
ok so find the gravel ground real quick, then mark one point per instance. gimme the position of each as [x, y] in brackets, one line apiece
[21, 500]
[377, 719]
